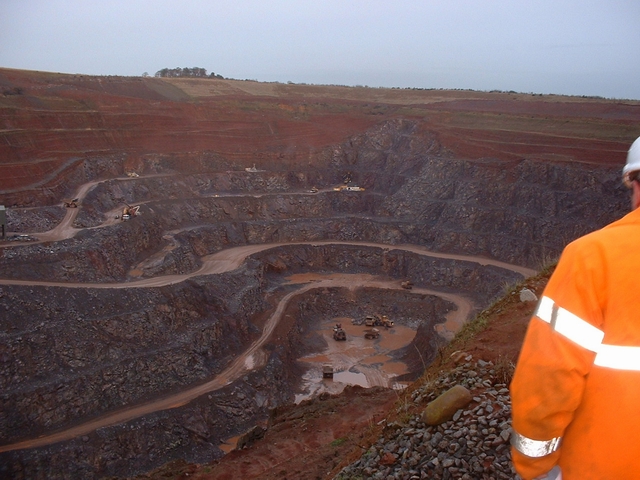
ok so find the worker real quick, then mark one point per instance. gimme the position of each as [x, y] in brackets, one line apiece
[576, 388]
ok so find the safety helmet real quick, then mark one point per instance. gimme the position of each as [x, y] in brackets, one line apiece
[633, 161]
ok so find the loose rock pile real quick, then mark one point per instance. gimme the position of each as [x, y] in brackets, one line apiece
[473, 445]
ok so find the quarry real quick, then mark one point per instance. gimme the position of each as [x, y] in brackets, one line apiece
[177, 254]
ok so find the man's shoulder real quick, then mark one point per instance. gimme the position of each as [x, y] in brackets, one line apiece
[609, 233]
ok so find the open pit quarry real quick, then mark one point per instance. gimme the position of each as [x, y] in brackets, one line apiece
[176, 252]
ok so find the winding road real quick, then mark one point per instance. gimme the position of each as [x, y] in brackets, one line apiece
[253, 357]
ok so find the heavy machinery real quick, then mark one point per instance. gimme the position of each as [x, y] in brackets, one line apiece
[408, 284]
[378, 321]
[371, 333]
[385, 322]
[338, 333]
[348, 188]
[128, 211]
[71, 204]
[327, 370]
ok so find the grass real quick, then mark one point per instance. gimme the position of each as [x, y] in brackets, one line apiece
[338, 441]
[504, 369]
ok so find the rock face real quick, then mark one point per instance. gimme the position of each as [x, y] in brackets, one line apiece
[500, 189]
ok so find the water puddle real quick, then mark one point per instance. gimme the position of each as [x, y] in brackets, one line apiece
[356, 360]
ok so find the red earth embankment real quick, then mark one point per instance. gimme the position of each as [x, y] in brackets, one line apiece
[49, 122]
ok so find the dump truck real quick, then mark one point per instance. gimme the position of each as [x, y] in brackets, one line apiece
[408, 284]
[371, 333]
[327, 370]
[71, 204]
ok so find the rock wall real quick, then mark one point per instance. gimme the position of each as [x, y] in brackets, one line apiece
[76, 353]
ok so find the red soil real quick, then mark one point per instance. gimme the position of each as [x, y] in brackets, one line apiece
[58, 118]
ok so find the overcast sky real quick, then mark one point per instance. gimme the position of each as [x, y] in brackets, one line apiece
[575, 47]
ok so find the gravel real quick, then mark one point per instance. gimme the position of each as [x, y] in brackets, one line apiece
[473, 445]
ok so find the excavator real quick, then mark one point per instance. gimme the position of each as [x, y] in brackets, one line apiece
[128, 211]
[71, 204]
[378, 321]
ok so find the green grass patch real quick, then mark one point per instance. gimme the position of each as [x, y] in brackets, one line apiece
[338, 441]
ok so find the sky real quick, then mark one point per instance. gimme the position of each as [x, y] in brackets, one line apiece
[568, 47]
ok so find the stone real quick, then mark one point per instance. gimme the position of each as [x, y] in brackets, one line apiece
[388, 459]
[444, 407]
[527, 295]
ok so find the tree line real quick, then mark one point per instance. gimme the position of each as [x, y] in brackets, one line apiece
[194, 72]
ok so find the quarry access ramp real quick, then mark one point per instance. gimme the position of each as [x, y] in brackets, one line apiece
[231, 258]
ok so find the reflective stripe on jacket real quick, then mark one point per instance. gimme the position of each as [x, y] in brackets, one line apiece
[576, 389]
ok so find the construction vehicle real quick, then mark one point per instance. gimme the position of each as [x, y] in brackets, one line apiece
[371, 333]
[71, 204]
[128, 211]
[408, 284]
[338, 333]
[347, 188]
[378, 321]
[313, 190]
[327, 370]
[385, 322]
[132, 175]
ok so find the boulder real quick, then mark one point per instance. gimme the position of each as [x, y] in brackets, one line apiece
[446, 405]
[527, 295]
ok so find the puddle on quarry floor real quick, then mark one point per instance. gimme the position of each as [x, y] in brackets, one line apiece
[356, 361]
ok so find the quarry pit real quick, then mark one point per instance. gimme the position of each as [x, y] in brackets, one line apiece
[168, 280]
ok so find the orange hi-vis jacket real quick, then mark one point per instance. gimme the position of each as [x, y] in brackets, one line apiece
[576, 389]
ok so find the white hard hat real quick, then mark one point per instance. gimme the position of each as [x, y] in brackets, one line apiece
[633, 160]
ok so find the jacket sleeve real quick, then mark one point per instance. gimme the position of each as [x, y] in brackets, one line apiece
[556, 356]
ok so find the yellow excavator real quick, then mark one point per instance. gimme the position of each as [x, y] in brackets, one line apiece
[378, 321]
[128, 211]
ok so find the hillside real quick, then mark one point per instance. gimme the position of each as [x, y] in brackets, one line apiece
[178, 251]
